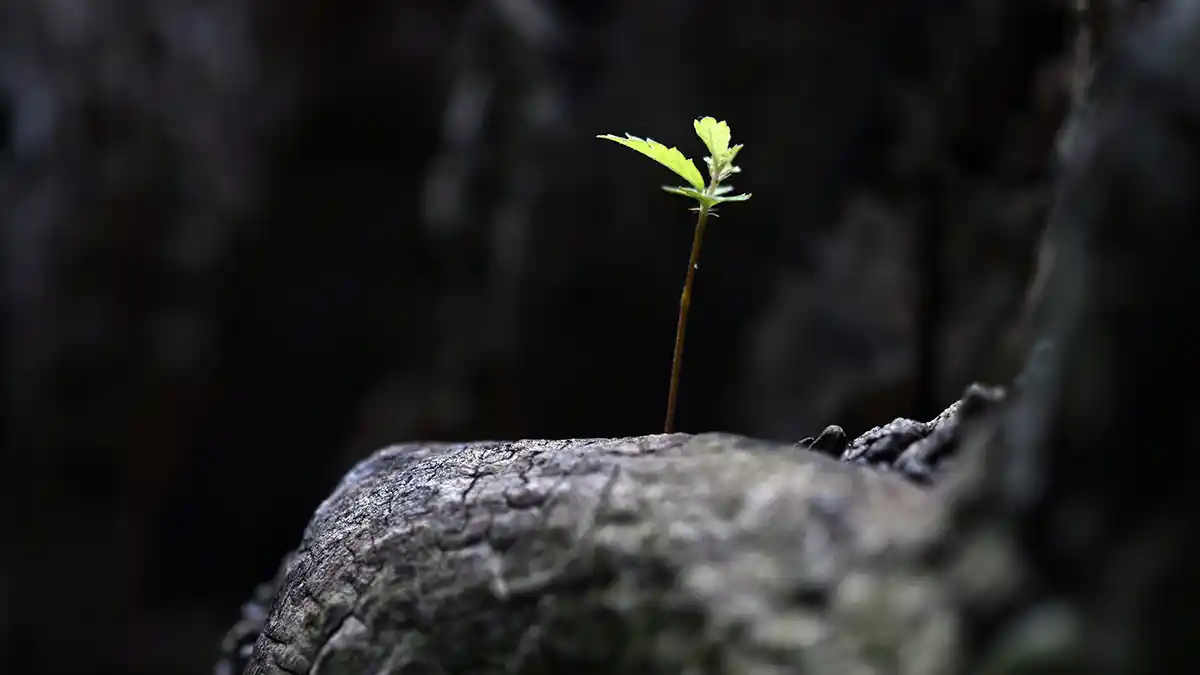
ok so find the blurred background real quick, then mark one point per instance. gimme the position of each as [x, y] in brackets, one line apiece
[246, 243]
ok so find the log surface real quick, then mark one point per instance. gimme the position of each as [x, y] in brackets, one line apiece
[667, 553]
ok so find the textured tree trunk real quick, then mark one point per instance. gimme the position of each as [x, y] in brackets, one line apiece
[1090, 478]
[660, 554]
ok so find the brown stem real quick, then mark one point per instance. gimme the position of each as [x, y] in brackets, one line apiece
[685, 301]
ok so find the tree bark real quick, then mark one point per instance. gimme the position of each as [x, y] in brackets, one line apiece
[659, 554]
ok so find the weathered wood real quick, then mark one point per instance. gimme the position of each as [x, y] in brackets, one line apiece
[660, 554]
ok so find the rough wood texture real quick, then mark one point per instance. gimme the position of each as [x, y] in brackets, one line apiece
[660, 554]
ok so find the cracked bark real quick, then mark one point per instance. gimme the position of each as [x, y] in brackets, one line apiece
[654, 554]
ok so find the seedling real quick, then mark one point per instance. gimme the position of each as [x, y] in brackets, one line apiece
[720, 167]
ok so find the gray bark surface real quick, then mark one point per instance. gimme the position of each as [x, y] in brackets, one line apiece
[668, 553]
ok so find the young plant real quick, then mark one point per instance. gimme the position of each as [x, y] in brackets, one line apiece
[720, 167]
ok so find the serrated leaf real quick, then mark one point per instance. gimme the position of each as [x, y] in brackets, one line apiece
[706, 200]
[698, 195]
[715, 136]
[671, 158]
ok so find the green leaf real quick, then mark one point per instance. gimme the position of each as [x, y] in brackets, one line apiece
[671, 158]
[704, 198]
[715, 136]
[721, 195]
[698, 195]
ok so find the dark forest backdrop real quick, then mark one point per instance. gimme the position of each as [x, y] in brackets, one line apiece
[245, 243]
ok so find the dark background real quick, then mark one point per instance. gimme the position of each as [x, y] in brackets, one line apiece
[246, 243]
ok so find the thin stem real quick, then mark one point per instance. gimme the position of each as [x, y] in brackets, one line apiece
[685, 301]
